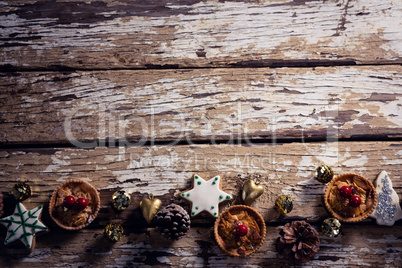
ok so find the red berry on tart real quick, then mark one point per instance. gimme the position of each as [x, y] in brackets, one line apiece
[80, 204]
[241, 230]
[345, 191]
[355, 201]
[69, 201]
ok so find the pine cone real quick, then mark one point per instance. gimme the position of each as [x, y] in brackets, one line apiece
[299, 242]
[173, 221]
[1, 205]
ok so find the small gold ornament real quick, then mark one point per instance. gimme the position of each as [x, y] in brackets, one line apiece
[149, 207]
[284, 204]
[324, 173]
[114, 232]
[121, 200]
[331, 227]
[251, 191]
[21, 191]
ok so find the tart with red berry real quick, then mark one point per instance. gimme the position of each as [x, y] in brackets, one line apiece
[74, 204]
[350, 197]
[240, 231]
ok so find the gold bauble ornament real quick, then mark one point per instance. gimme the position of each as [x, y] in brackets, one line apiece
[284, 204]
[149, 207]
[251, 191]
[113, 232]
[121, 200]
[324, 173]
[21, 191]
[331, 227]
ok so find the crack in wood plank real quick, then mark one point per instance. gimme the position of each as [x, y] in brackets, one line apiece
[131, 34]
[144, 107]
[166, 170]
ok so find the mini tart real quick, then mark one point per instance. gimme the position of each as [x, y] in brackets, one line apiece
[338, 206]
[225, 229]
[71, 219]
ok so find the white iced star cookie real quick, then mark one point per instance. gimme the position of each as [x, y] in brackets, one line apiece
[205, 195]
[23, 225]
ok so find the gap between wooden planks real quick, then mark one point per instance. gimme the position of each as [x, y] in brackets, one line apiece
[164, 171]
[174, 34]
[208, 105]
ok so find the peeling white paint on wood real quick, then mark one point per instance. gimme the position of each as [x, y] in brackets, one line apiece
[207, 105]
[355, 247]
[166, 170]
[137, 106]
[207, 33]
[57, 165]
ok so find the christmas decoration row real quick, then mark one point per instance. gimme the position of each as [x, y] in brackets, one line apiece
[240, 230]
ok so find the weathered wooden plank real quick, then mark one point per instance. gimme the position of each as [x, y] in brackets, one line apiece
[133, 34]
[358, 245]
[201, 105]
[166, 170]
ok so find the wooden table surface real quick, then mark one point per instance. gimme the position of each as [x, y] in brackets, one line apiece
[139, 95]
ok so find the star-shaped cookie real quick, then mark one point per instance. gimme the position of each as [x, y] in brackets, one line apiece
[23, 225]
[205, 195]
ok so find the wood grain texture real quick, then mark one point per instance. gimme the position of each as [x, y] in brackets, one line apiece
[166, 170]
[72, 75]
[124, 107]
[364, 245]
[164, 34]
